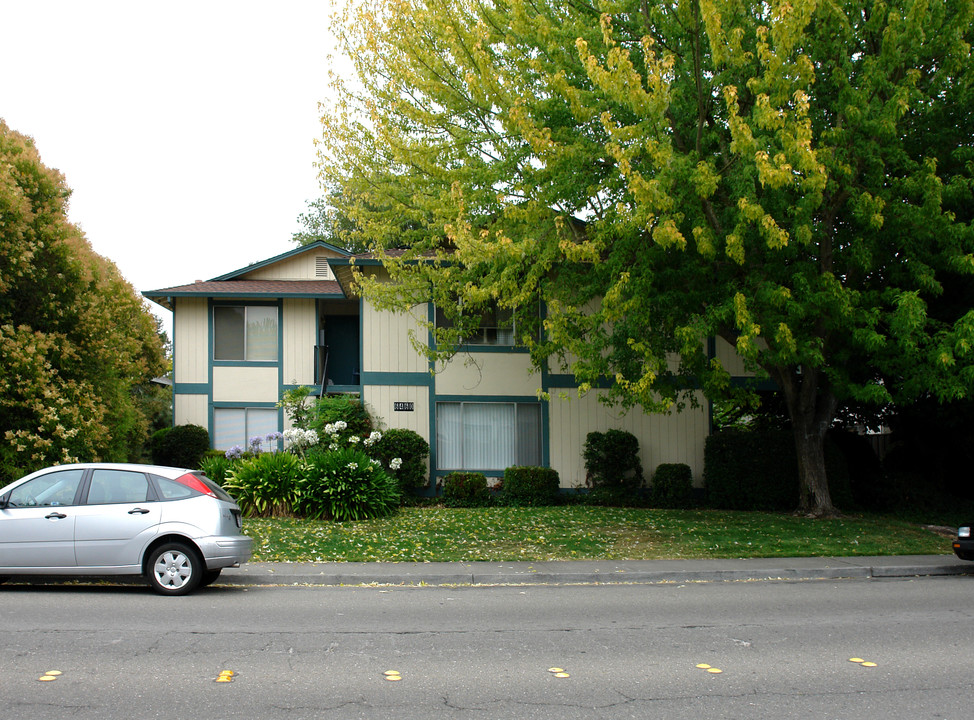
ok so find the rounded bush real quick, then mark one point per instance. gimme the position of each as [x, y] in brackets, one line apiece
[183, 446]
[612, 460]
[530, 486]
[344, 485]
[672, 486]
[411, 449]
[265, 485]
[466, 489]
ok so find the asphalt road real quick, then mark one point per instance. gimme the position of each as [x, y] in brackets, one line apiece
[629, 651]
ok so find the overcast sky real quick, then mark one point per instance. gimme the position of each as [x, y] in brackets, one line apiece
[185, 129]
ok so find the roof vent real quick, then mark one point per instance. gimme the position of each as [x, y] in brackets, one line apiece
[321, 267]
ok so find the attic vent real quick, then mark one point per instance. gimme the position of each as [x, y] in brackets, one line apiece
[321, 267]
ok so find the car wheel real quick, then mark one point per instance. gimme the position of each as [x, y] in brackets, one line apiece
[209, 577]
[174, 569]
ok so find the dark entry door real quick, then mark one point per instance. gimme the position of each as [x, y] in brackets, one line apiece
[342, 339]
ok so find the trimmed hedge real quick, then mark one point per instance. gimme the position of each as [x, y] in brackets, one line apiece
[612, 460]
[466, 489]
[672, 486]
[182, 446]
[530, 486]
[758, 470]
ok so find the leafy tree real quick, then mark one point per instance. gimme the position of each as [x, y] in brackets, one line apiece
[75, 338]
[793, 176]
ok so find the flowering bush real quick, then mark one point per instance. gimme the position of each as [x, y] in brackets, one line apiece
[404, 452]
[298, 441]
[345, 484]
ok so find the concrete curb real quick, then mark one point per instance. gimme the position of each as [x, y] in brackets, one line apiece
[590, 572]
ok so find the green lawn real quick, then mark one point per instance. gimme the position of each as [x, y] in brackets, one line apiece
[437, 534]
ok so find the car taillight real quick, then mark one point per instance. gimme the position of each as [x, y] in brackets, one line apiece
[194, 483]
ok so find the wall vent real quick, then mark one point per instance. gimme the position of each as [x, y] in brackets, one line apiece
[321, 267]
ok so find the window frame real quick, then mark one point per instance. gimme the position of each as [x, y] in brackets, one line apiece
[247, 307]
[247, 409]
[520, 450]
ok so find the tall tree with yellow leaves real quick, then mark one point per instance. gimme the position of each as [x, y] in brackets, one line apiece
[794, 176]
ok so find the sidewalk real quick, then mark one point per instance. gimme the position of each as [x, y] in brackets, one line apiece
[593, 572]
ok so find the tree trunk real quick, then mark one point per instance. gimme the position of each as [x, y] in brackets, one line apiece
[811, 407]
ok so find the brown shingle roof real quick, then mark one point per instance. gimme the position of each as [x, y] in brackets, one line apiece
[247, 288]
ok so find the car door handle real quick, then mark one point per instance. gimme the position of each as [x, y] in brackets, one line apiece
[138, 511]
[55, 516]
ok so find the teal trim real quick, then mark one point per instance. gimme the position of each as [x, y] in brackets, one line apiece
[192, 388]
[491, 399]
[232, 294]
[245, 405]
[244, 363]
[317, 245]
[412, 379]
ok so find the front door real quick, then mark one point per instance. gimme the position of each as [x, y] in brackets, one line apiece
[37, 525]
[342, 339]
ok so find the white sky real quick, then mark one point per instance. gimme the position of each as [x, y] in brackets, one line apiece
[185, 129]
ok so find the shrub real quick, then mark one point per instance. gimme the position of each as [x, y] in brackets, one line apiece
[182, 446]
[216, 467]
[758, 470]
[411, 449]
[331, 409]
[612, 460]
[156, 443]
[265, 485]
[466, 489]
[672, 486]
[345, 484]
[530, 486]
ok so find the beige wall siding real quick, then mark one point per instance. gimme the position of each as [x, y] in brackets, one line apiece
[245, 384]
[191, 340]
[380, 400]
[488, 374]
[301, 267]
[300, 330]
[386, 343]
[192, 410]
[732, 362]
[677, 438]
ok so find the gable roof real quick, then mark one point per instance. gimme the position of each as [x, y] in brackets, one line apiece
[317, 245]
[230, 285]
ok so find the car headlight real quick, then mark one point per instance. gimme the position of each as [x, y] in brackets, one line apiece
[964, 532]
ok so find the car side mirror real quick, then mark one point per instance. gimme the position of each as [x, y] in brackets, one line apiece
[4, 501]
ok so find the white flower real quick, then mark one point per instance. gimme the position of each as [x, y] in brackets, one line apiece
[352, 466]
[395, 464]
[372, 438]
[354, 439]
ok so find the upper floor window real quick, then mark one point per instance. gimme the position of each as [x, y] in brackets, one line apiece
[496, 327]
[245, 332]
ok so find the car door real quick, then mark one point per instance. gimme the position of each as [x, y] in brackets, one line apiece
[118, 518]
[37, 523]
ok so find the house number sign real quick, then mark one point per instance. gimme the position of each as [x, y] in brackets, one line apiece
[402, 407]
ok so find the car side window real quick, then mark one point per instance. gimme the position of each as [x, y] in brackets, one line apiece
[118, 486]
[172, 490]
[49, 490]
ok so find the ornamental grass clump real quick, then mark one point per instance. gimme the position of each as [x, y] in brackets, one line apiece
[266, 484]
[345, 484]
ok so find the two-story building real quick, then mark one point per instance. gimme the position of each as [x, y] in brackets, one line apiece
[241, 339]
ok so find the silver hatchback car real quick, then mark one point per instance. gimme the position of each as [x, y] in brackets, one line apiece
[175, 527]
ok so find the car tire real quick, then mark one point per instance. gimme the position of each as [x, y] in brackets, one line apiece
[209, 577]
[964, 554]
[174, 569]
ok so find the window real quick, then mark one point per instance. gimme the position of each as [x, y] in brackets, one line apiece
[117, 486]
[496, 327]
[245, 333]
[235, 426]
[487, 435]
[48, 490]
